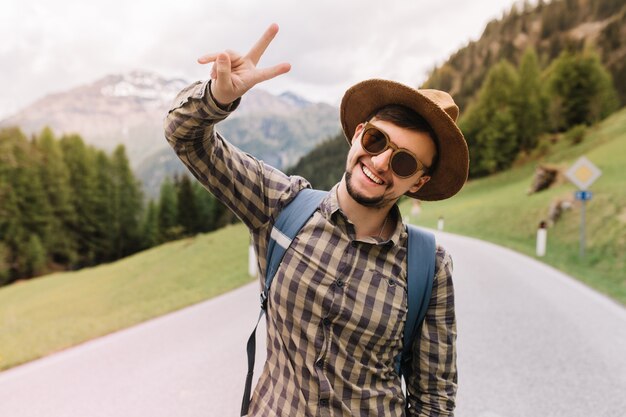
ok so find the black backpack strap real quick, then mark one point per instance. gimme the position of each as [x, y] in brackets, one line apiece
[421, 271]
[287, 225]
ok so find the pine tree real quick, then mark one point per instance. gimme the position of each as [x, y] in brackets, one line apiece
[87, 231]
[168, 212]
[34, 255]
[127, 205]
[188, 213]
[150, 227]
[9, 220]
[529, 102]
[105, 205]
[24, 209]
[34, 214]
[55, 178]
[489, 124]
[581, 90]
[5, 264]
[606, 101]
[207, 208]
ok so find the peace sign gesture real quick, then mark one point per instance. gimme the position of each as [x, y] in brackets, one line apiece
[233, 75]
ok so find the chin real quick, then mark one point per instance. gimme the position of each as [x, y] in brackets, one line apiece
[372, 202]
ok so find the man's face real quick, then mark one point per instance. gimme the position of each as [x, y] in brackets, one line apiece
[370, 180]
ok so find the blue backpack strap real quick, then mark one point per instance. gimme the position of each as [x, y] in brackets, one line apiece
[287, 225]
[421, 271]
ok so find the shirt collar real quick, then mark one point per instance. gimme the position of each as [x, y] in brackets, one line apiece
[330, 209]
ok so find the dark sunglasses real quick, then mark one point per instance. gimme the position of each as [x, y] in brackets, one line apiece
[403, 162]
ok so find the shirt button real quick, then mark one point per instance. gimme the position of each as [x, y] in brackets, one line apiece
[319, 363]
[324, 402]
[339, 283]
[326, 321]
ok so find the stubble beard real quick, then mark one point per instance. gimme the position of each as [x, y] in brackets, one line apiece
[372, 202]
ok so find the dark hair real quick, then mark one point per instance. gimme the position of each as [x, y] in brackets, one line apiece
[408, 119]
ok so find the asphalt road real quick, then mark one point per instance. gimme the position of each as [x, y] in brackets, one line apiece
[532, 342]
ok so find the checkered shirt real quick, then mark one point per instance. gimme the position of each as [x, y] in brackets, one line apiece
[338, 304]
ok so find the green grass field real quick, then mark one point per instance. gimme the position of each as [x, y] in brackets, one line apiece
[499, 210]
[51, 313]
[48, 314]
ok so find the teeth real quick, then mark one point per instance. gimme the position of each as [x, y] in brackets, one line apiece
[371, 175]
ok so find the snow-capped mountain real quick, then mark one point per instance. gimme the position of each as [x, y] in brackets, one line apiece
[123, 108]
[143, 85]
[129, 109]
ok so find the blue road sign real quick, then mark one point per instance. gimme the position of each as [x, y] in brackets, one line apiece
[584, 195]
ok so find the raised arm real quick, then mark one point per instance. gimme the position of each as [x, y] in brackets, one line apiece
[250, 188]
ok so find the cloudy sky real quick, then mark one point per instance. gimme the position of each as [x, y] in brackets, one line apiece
[52, 45]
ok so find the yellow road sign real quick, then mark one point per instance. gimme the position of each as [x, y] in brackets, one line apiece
[583, 173]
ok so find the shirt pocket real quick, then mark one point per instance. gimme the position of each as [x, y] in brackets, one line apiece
[379, 310]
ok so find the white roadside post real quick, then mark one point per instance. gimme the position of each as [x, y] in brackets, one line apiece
[440, 223]
[252, 263]
[542, 238]
[583, 173]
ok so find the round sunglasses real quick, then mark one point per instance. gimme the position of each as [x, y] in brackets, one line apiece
[403, 162]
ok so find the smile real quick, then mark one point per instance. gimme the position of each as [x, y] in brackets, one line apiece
[369, 174]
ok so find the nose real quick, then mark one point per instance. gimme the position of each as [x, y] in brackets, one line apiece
[382, 160]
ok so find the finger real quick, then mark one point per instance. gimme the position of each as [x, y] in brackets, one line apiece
[271, 72]
[259, 48]
[205, 59]
[222, 68]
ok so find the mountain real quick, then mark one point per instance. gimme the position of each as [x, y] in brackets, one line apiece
[129, 109]
[279, 134]
[123, 108]
[548, 27]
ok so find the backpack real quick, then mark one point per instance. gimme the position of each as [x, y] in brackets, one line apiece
[421, 267]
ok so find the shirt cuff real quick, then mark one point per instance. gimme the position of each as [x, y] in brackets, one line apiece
[212, 103]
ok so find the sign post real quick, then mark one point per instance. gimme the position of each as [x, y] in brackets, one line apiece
[542, 238]
[583, 173]
[252, 261]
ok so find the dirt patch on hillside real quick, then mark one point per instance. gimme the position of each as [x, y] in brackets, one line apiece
[622, 216]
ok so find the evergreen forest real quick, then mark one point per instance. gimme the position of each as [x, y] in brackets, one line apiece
[67, 205]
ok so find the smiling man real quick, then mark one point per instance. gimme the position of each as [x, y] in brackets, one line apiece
[337, 308]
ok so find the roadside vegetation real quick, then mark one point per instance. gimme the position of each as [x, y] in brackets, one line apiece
[498, 208]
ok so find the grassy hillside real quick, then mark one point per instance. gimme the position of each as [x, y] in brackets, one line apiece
[51, 313]
[497, 209]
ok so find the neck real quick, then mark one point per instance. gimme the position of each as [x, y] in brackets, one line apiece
[368, 221]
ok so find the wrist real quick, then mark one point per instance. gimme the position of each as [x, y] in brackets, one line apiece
[222, 104]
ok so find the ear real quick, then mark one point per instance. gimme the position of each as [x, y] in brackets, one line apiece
[419, 183]
[357, 131]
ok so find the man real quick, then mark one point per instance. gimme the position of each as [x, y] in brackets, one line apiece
[338, 303]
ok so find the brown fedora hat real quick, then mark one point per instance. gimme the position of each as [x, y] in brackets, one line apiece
[436, 107]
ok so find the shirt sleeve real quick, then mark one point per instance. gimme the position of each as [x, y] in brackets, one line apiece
[432, 385]
[253, 190]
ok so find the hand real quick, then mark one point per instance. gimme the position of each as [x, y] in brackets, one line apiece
[233, 74]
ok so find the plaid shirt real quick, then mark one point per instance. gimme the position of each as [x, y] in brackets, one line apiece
[338, 304]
